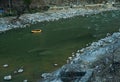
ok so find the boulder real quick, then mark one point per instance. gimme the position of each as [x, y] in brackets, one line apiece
[5, 65]
[20, 70]
[25, 80]
[9, 77]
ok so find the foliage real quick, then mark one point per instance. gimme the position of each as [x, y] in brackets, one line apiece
[27, 2]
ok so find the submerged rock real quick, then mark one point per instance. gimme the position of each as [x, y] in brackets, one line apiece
[5, 65]
[25, 80]
[20, 70]
[9, 77]
[55, 64]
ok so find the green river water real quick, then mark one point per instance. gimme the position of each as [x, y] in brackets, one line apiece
[37, 52]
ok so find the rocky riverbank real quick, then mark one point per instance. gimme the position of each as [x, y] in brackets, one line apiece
[88, 64]
[25, 20]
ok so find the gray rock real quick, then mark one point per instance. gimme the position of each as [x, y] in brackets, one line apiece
[5, 65]
[9, 77]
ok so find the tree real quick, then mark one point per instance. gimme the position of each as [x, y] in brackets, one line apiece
[27, 4]
[19, 11]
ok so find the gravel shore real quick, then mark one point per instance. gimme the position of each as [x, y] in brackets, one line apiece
[26, 20]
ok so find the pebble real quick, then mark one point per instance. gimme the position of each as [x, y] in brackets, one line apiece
[20, 70]
[108, 34]
[55, 64]
[119, 29]
[5, 65]
[67, 61]
[15, 72]
[82, 50]
[25, 80]
[73, 55]
[70, 58]
[96, 67]
[9, 77]
[110, 77]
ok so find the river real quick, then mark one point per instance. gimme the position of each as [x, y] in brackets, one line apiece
[37, 52]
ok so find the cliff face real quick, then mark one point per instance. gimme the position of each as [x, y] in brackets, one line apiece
[84, 62]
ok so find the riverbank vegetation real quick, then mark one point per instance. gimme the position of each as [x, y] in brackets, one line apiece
[16, 8]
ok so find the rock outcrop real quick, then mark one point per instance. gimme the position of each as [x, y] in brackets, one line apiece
[82, 65]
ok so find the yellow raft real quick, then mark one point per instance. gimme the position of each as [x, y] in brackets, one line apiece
[36, 31]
